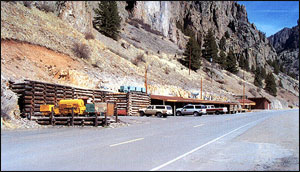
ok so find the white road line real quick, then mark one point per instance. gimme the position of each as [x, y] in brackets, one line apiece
[126, 142]
[181, 156]
[199, 125]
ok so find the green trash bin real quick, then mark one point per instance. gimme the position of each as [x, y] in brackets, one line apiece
[90, 108]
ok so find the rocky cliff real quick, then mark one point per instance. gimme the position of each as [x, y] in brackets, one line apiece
[200, 16]
[286, 43]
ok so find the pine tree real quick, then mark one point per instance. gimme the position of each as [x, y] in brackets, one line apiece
[263, 73]
[253, 69]
[258, 77]
[223, 44]
[271, 85]
[210, 47]
[247, 68]
[231, 62]
[107, 19]
[242, 61]
[223, 59]
[192, 51]
[276, 67]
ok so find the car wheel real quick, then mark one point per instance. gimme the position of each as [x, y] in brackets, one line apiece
[178, 113]
[159, 115]
[195, 113]
[217, 112]
[142, 113]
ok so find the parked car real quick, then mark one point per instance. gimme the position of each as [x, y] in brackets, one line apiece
[190, 109]
[157, 110]
[211, 109]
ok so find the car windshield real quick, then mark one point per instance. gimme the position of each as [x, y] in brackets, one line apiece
[169, 107]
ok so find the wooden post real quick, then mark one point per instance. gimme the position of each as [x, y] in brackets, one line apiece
[96, 119]
[105, 119]
[72, 119]
[146, 78]
[116, 112]
[51, 116]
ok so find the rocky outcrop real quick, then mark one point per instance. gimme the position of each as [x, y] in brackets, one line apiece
[222, 17]
[9, 101]
[286, 43]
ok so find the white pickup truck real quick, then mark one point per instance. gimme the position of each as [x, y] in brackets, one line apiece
[211, 109]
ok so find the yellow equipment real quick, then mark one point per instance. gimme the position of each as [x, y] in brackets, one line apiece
[65, 106]
[46, 109]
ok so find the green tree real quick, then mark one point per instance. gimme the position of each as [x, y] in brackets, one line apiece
[210, 47]
[223, 59]
[253, 69]
[223, 44]
[271, 85]
[242, 61]
[247, 68]
[231, 62]
[263, 73]
[258, 77]
[107, 20]
[192, 51]
[276, 67]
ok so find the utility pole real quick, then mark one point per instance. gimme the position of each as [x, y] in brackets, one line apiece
[146, 78]
[243, 91]
[211, 70]
[190, 61]
[201, 89]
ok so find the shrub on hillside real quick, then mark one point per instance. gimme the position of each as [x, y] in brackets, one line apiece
[138, 59]
[81, 50]
[45, 7]
[89, 35]
[167, 70]
[28, 4]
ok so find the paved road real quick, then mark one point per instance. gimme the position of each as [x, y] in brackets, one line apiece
[267, 140]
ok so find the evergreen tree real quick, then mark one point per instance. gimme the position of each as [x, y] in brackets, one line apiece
[223, 59]
[242, 61]
[107, 20]
[210, 47]
[271, 85]
[231, 62]
[192, 51]
[247, 68]
[276, 67]
[258, 77]
[223, 44]
[253, 69]
[263, 73]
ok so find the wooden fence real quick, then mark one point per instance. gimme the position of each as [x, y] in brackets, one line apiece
[32, 94]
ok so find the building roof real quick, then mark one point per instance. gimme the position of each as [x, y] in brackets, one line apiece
[188, 100]
[259, 98]
[246, 101]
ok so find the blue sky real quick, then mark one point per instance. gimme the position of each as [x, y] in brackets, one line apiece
[272, 16]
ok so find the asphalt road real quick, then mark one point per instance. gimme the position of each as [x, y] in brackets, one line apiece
[267, 140]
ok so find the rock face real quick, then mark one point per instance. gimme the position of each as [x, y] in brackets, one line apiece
[9, 101]
[200, 16]
[286, 43]
[162, 16]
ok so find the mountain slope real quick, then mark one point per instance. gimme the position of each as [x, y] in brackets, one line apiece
[286, 43]
[115, 63]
